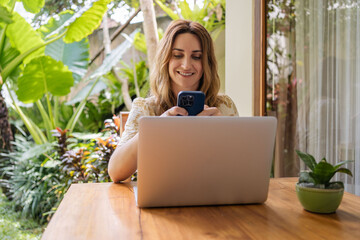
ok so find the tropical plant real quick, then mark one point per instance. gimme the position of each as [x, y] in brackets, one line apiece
[53, 7]
[23, 48]
[33, 186]
[13, 226]
[211, 15]
[321, 173]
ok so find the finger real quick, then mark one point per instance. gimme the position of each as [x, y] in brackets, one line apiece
[211, 111]
[174, 111]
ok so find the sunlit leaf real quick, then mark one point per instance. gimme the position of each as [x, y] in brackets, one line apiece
[4, 2]
[41, 75]
[5, 15]
[23, 37]
[87, 23]
[8, 54]
[33, 6]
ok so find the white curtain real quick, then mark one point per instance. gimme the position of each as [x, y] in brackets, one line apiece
[328, 83]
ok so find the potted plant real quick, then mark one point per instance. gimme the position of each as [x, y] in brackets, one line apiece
[314, 189]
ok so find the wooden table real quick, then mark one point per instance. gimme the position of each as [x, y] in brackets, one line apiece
[108, 211]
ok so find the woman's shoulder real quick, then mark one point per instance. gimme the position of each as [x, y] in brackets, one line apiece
[145, 104]
[142, 100]
[226, 105]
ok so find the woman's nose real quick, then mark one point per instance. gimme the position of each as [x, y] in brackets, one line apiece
[186, 63]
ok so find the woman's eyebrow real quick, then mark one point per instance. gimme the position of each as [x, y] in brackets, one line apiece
[181, 50]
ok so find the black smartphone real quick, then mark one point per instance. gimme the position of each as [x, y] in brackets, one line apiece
[192, 101]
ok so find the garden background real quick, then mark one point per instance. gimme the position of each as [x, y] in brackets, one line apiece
[67, 71]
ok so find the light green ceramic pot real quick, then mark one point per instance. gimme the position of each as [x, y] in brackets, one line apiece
[319, 200]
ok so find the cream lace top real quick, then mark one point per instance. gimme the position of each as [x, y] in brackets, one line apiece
[146, 107]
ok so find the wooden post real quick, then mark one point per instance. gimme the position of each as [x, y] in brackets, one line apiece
[150, 30]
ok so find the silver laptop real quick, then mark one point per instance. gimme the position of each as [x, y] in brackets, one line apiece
[188, 161]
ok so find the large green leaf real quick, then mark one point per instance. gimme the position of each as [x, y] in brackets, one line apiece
[5, 15]
[33, 6]
[43, 75]
[74, 55]
[23, 37]
[4, 2]
[87, 23]
[8, 54]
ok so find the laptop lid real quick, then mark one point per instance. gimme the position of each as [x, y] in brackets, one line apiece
[186, 161]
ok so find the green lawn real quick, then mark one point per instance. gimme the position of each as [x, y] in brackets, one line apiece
[12, 226]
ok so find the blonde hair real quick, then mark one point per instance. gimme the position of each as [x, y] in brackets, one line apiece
[160, 79]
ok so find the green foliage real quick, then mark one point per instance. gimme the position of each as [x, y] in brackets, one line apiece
[87, 22]
[74, 55]
[5, 15]
[211, 15]
[41, 76]
[54, 7]
[23, 37]
[320, 173]
[142, 75]
[51, 78]
[87, 162]
[33, 6]
[37, 176]
[140, 42]
[33, 187]
[13, 226]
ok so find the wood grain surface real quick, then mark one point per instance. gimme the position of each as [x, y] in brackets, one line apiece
[108, 211]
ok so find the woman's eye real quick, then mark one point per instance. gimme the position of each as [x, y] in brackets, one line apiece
[197, 57]
[177, 56]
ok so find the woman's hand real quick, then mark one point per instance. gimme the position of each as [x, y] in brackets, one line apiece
[175, 111]
[210, 111]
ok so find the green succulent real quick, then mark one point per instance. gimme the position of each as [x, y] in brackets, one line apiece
[321, 173]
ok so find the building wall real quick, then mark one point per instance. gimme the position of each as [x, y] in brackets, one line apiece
[239, 54]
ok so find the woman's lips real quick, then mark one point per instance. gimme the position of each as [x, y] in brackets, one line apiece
[185, 74]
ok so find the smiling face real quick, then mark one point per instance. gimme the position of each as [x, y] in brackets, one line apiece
[185, 65]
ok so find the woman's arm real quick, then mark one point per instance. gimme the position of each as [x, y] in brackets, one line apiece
[123, 162]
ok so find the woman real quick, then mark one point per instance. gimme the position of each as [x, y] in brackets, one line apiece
[185, 61]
